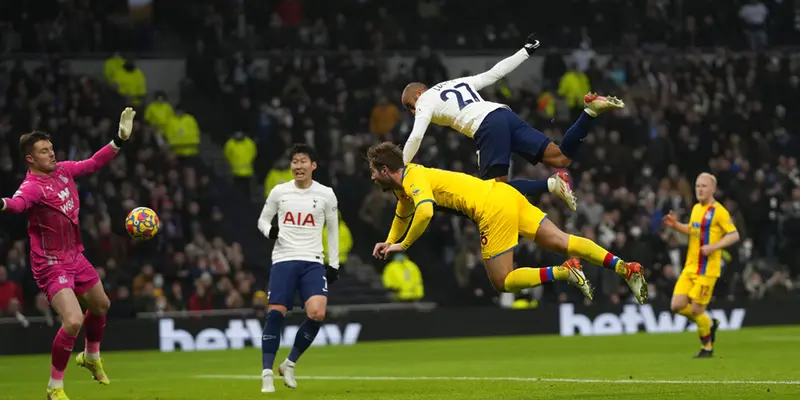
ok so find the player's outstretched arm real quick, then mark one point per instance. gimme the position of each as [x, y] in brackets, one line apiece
[267, 213]
[103, 156]
[422, 119]
[24, 198]
[671, 221]
[505, 66]
[422, 217]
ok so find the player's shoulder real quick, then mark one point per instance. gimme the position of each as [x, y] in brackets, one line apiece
[720, 209]
[323, 189]
[282, 188]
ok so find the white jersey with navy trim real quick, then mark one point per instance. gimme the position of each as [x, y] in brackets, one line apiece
[302, 213]
[456, 103]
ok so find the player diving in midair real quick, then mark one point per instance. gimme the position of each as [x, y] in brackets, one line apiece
[497, 130]
[502, 214]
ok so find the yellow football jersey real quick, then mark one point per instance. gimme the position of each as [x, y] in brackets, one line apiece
[454, 190]
[707, 225]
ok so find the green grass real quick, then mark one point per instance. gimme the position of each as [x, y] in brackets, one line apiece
[752, 355]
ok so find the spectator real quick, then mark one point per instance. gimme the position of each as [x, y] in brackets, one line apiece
[131, 83]
[384, 117]
[403, 278]
[183, 134]
[240, 150]
[10, 295]
[159, 112]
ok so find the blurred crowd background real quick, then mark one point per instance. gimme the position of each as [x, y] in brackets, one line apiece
[707, 88]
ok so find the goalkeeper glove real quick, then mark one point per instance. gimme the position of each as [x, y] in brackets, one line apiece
[273, 233]
[125, 126]
[532, 43]
[2, 204]
[331, 274]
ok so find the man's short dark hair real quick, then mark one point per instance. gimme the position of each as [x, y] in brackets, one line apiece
[27, 141]
[302, 148]
[386, 154]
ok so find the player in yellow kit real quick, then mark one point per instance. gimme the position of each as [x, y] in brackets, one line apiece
[502, 214]
[710, 229]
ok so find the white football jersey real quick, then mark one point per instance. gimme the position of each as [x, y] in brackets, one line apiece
[302, 213]
[456, 103]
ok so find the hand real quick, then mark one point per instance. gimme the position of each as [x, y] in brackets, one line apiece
[707, 249]
[670, 220]
[394, 248]
[331, 274]
[532, 43]
[273, 232]
[377, 252]
[126, 123]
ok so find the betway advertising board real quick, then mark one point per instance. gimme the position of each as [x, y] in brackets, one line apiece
[226, 333]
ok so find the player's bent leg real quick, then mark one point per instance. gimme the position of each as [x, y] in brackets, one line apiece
[554, 157]
[94, 322]
[506, 279]
[315, 310]
[65, 302]
[554, 239]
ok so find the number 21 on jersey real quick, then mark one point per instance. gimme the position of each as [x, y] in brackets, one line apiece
[459, 94]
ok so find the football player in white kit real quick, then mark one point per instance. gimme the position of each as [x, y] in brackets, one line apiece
[303, 207]
[498, 130]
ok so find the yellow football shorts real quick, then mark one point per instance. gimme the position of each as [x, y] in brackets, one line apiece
[699, 288]
[505, 215]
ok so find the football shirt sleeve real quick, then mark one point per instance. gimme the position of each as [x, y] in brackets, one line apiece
[725, 221]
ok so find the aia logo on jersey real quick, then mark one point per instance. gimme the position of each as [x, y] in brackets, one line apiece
[299, 219]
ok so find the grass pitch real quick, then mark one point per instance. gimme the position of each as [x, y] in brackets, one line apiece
[762, 363]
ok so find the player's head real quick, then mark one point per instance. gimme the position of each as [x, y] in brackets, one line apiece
[385, 165]
[37, 150]
[303, 162]
[410, 95]
[704, 187]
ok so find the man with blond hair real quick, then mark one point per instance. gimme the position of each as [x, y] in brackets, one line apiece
[710, 229]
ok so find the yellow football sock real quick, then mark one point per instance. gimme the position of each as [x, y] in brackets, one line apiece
[526, 277]
[687, 312]
[704, 329]
[590, 251]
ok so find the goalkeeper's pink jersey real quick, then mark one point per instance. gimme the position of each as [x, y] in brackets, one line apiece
[52, 204]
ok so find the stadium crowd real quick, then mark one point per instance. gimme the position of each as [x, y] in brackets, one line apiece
[255, 25]
[725, 113]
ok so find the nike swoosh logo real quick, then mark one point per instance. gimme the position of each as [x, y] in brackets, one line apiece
[578, 277]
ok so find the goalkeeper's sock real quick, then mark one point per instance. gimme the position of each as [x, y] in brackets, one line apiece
[525, 277]
[305, 336]
[575, 135]
[271, 338]
[704, 329]
[530, 186]
[588, 250]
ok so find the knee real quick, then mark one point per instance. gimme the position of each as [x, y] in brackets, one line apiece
[72, 324]
[678, 304]
[41, 303]
[698, 309]
[561, 161]
[13, 306]
[499, 285]
[316, 314]
[100, 307]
